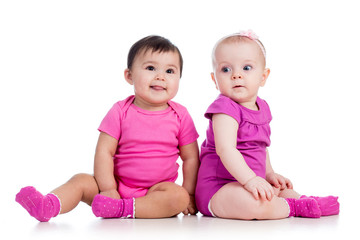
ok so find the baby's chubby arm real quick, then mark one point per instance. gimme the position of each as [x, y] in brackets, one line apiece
[104, 165]
[275, 179]
[225, 133]
[190, 155]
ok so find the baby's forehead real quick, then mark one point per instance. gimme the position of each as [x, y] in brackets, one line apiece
[234, 42]
[150, 53]
[236, 39]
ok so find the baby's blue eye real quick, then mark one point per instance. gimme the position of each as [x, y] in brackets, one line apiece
[225, 69]
[150, 68]
[247, 68]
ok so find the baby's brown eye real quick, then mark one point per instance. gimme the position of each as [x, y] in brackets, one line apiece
[150, 68]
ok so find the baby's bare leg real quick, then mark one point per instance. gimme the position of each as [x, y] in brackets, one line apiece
[233, 201]
[289, 193]
[81, 187]
[164, 199]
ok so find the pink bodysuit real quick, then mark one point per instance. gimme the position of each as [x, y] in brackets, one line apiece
[148, 144]
[253, 137]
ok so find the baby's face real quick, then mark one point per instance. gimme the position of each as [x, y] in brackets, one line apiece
[239, 71]
[155, 77]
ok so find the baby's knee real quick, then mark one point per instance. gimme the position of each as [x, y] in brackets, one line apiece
[179, 199]
[86, 185]
[83, 180]
[81, 177]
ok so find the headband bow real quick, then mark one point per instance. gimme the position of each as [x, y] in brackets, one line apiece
[249, 34]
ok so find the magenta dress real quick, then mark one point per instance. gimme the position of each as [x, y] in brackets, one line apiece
[253, 137]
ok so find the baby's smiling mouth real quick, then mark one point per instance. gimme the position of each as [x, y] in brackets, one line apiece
[157, 87]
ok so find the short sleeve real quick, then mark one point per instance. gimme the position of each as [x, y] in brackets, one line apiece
[187, 132]
[111, 122]
[266, 110]
[226, 106]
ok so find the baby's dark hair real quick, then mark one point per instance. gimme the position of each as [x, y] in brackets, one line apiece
[155, 44]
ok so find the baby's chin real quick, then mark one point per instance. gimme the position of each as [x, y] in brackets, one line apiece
[244, 101]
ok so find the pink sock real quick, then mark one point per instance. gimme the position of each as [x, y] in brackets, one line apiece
[304, 207]
[328, 205]
[39, 206]
[107, 207]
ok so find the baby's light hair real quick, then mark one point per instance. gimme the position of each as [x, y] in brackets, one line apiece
[239, 36]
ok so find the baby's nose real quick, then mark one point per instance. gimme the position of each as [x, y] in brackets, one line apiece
[160, 77]
[236, 76]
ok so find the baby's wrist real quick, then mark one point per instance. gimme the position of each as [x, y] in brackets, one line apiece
[249, 179]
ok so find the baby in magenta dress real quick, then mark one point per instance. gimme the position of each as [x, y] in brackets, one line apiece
[235, 178]
[140, 141]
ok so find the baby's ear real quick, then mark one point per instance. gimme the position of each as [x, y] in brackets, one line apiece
[214, 80]
[128, 76]
[265, 76]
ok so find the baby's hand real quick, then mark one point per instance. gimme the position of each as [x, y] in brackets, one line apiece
[191, 208]
[279, 181]
[111, 193]
[260, 188]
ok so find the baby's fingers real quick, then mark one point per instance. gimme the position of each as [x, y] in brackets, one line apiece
[255, 193]
[263, 194]
[266, 194]
[192, 211]
[276, 182]
[186, 212]
[270, 194]
[289, 184]
[282, 183]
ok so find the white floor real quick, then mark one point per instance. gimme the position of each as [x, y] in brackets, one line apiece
[81, 224]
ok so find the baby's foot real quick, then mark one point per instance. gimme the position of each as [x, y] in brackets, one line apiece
[304, 207]
[328, 205]
[107, 207]
[39, 206]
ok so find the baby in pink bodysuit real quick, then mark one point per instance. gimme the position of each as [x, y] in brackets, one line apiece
[235, 178]
[141, 138]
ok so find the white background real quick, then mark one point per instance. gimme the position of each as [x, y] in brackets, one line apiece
[61, 69]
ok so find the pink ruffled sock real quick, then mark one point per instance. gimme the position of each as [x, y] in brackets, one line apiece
[304, 207]
[107, 207]
[41, 207]
[328, 205]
